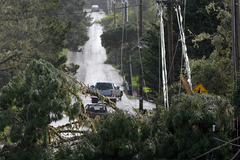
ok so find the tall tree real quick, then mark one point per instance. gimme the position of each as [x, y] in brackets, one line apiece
[29, 103]
[182, 133]
[73, 11]
[198, 20]
[29, 33]
[33, 30]
[215, 73]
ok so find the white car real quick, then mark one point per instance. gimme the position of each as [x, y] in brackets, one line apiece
[108, 89]
[95, 8]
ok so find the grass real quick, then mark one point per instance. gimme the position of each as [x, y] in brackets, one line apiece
[116, 66]
[135, 84]
[63, 53]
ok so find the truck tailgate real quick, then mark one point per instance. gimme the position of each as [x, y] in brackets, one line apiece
[106, 92]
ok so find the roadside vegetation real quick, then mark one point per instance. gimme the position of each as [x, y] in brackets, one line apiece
[36, 88]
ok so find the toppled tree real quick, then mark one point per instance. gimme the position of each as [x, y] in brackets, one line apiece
[42, 94]
[184, 132]
[31, 101]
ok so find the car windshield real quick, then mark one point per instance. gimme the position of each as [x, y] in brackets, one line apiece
[95, 7]
[104, 86]
[97, 107]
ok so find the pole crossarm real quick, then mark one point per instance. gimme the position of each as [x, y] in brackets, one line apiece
[169, 2]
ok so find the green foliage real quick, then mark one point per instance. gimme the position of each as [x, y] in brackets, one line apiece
[107, 41]
[215, 75]
[214, 72]
[4, 78]
[73, 11]
[108, 21]
[150, 59]
[235, 94]
[30, 102]
[113, 45]
[119, 136]
[186, 130]
[30, 35]
[222, 37]
[199, 19]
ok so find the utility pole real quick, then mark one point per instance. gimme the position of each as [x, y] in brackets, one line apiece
[126, 11]
[122, 40]
[236, 37]
[170, 37]
[140, 69]
[107, 6]
[129, 77]
[236, 50]
[170, 44]
[114, 11]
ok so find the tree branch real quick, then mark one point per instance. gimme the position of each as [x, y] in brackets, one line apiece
[6, 69]
[71, 131]
[11, 57]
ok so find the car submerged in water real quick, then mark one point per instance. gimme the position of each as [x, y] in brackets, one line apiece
[95, 8]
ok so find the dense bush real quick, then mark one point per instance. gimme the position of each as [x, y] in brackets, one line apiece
[182, 133]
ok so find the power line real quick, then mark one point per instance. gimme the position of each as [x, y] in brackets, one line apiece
[215, 148]
[226, 142]
[138, 5]
[51, 14]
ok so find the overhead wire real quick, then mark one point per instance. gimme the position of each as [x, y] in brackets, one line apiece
[235, 155]
[138, 5]
[215, 148]
[226, 142]
[40, 14]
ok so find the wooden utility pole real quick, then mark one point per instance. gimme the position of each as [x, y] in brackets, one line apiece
[126, 11]
[236, 37]
[236, 51]
[114, 12]
[140, 69]
[129, 78]
[170, 44]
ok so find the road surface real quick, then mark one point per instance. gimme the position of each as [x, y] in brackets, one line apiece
[92, 68]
